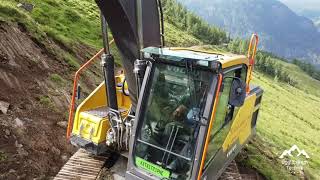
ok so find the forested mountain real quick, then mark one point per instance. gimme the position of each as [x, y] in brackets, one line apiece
[282, 31]
[176, 14]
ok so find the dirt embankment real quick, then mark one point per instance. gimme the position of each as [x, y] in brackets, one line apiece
[32, 145]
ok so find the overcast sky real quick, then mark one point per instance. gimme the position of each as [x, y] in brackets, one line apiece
[302, 4]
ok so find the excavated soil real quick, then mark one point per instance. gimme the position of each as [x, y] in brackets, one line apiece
[32, 145]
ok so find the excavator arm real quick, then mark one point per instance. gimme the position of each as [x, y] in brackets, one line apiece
[134, 25]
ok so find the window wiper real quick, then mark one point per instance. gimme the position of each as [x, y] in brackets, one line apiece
[175, 131]
[162, 149]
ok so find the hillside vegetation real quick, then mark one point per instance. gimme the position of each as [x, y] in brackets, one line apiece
[288, 116]
[176, 14]
[289, 113]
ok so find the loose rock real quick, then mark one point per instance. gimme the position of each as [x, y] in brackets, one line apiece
[18, 145]
[23, 176]
[40, 177]
[7, 131]
[18, 122]
[4, 106]
[64, 158]
[56, 151]
[27, 6]
[28, 120]
[62, 124]
[22, 152]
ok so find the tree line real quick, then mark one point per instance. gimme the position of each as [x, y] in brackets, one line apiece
[266, 62]
[179, 16]
[308, 68]
[270, 65]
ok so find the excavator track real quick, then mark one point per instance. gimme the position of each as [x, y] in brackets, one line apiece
[231, 172]
[84, 166]
[81, 166]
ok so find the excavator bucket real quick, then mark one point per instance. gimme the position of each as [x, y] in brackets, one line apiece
[121, 16]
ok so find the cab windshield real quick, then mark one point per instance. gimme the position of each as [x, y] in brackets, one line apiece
[167, 136]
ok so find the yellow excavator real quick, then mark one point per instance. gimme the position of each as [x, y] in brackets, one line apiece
[176, 113]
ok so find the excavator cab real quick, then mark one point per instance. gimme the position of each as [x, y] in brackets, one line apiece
[170, 114]
[191, 107]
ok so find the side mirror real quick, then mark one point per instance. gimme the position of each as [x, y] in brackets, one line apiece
[237, 92]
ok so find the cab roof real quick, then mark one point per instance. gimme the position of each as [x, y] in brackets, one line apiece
[203, 57]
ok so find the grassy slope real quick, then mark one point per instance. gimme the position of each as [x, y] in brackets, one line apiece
[288, 115]
[71, 22]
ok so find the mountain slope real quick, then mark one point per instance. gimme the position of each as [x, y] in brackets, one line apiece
[288, 116]
[317, 23]
[307, 8]
[281, 30]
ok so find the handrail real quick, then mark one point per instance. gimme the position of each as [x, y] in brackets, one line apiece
[251, 55]
[74, 92]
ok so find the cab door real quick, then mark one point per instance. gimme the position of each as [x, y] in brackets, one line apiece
[216, 157]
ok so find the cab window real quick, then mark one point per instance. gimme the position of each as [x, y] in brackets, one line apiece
[167, 136]
[224, 113]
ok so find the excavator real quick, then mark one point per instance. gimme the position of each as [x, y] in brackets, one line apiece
[175, 113]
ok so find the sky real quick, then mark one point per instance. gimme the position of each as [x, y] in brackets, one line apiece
[297, 5]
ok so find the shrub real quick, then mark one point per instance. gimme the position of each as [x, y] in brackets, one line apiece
[45, 100]
[56, 78]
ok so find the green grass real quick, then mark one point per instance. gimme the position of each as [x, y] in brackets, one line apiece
[288, 116]
[176, 37]
[71, 61]
[45, 100]
[3, 156]
[57, 79]
[260, 155]
[305, 83]
[70, 22]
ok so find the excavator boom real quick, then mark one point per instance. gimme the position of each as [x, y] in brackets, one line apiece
[134, 25]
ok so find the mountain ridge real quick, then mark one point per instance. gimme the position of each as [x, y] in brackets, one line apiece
[282, 31]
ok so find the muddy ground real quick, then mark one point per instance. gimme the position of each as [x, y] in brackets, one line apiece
[32, 144]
